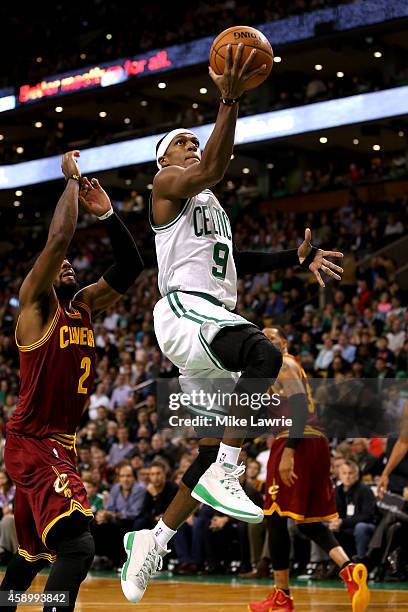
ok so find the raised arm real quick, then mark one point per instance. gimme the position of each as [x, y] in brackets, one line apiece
[128, 263]
[307, 256]
[39, 281]
[175, 182]
[38, 301]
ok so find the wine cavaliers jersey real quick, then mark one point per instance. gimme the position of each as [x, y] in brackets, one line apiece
[56, 377]
[312, 428]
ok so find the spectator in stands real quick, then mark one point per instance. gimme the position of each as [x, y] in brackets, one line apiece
[121, 392]
[396, 337]
[95, 499]
[158, 450]
[123, 507]
[368, 464]
[8, 536]
[356, 507]
[143, 476]
[384, 352]
[99, 398]
[325, 356]
[111, 435]
[121, 449]
[101, 422]
[393, 228]
[99, 466]
[189, 543]
[159, 493]
[84, 457]
[346, 350]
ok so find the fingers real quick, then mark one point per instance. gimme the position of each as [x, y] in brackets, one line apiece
[228, 60]
[85, 183]
[248, 62]
[331, 265]
[329, 272]
[96, 184]
[237, 58]
[308, 235]
[213, 74]
[288, 478]
[254, 73]
[319, 278]
[332, 254]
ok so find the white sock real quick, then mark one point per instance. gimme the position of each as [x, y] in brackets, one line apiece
[228, 454]
[163, 534]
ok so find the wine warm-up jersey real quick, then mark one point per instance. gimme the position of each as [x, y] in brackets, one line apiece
[194, 250]
[56, 376]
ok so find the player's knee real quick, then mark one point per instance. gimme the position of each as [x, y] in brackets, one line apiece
[80, 548]
[264, 360]
[206, 456]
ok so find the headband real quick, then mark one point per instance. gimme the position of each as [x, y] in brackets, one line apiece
[163, 144]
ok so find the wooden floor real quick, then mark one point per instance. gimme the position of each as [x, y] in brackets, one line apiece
[97, 594]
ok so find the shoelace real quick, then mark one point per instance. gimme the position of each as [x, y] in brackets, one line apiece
[231, 481]
[152, 564]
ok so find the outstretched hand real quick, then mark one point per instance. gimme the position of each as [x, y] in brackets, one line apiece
[93, 197]
[319, 262]
[232, 82]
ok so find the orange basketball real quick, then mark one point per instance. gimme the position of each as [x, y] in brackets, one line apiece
[252, 39]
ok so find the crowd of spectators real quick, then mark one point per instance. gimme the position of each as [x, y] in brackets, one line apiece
[131, 467]
[337, 173]
[132, 28]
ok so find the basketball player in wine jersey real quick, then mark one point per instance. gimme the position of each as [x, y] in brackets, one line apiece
[194, 323]
[299, 486]
[56, 343]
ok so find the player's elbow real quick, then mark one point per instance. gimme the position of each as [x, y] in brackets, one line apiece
[213, 173]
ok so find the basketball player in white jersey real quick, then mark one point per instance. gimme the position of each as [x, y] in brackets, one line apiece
[194, 323]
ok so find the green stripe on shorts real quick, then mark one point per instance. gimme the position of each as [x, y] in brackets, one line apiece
[209, 353]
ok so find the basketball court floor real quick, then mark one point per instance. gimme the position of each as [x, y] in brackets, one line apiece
[204, 594]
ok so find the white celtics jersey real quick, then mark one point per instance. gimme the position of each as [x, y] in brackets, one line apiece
[194, 251]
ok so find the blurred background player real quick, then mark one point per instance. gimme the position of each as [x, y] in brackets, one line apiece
[194, 323]
[399, 451]
[56, 342]
[299, 486]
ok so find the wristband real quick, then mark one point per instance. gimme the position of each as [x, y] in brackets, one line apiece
[107, 214]
[230, 101]
[310, 258]
[74, 177]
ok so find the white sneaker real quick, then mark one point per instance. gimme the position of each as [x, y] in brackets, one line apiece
[145, 558]
[219, 487]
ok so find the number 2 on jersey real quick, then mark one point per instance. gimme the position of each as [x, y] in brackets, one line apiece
[85, 365]
[220, 257]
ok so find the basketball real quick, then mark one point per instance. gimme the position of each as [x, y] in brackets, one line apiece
[252, 39]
